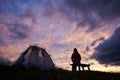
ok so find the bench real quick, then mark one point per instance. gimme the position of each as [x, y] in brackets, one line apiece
[81, 65]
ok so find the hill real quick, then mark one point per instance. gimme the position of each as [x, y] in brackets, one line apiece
[20, 73]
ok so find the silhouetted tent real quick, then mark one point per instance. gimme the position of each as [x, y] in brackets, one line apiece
[37, 57]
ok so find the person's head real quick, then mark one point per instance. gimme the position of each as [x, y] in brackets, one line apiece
[75, 50]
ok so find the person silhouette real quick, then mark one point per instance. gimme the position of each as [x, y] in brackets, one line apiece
[76, 59]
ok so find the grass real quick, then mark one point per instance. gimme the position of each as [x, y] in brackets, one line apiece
[21, 73]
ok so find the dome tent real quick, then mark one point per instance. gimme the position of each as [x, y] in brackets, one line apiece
[37, 57]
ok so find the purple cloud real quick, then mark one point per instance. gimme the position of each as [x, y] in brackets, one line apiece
[97, 40]
[108, 52]
[1, 42]
[92, 12]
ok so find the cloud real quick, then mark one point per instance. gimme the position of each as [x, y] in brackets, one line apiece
[19, 31]
[92, 13]
[16, 21]
[1, 42]
[108, 52]
[97, 40]
[13, 29]
[85, 13]
[93, 44]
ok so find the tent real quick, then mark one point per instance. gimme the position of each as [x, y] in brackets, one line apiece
[37, 57]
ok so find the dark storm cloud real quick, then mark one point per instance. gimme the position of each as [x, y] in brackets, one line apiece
[108, 52]
[88, 48]
[93, 12]
[84, 12]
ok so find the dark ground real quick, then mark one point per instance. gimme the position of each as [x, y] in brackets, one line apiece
[20, 73]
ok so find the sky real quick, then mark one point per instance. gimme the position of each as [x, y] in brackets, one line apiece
[59, 26]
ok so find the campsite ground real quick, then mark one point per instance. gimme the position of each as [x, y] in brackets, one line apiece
[20, 73]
